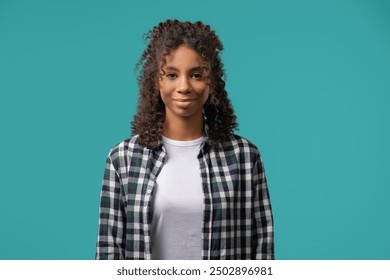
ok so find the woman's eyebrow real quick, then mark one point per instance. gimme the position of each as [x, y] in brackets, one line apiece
[172, 68]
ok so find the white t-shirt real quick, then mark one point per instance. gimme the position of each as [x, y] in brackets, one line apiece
[178, 204]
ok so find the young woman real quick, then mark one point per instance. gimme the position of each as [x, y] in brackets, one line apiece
[184, 186]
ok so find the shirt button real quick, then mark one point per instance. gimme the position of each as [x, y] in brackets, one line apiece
[146, 227]
[149, 191]
[158, 164]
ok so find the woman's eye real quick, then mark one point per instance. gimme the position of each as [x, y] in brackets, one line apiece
[197, 76]
[171, 75]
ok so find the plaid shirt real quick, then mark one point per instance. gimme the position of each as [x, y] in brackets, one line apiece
[237, 220]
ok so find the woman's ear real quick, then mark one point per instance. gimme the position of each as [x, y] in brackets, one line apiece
[212, 98]
[157, 81]
[157, 88]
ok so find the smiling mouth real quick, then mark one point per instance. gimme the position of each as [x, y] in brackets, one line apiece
[184, 99]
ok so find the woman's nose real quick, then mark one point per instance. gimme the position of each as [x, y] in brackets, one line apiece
[184, 86]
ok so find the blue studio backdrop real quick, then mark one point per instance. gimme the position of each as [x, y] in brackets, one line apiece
[309, 81]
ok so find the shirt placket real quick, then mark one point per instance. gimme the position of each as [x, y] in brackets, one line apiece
[207, 212]
[146, 208]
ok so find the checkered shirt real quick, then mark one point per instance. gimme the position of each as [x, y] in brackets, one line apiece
[237, 218]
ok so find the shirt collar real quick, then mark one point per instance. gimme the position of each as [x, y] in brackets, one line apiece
[205, 143]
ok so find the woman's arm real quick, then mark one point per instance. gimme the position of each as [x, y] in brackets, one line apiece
[111, 241]
[264, 228]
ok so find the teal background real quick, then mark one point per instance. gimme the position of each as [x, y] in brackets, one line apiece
[309, 80]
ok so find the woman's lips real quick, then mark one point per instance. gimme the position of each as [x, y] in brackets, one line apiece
[184, 99]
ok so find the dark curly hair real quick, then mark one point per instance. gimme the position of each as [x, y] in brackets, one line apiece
[166, 36]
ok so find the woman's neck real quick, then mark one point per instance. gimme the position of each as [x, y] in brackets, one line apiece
[183, 129]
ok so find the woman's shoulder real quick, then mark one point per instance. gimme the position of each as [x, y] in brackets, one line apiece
[126, 147]
[238, 146]
[241, 143]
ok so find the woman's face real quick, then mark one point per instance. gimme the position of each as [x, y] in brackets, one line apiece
[183, 87]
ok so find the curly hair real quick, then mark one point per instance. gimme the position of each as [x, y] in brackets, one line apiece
[166, 36]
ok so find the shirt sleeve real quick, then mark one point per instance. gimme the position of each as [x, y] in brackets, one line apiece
[264, 229]
[111, 241]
